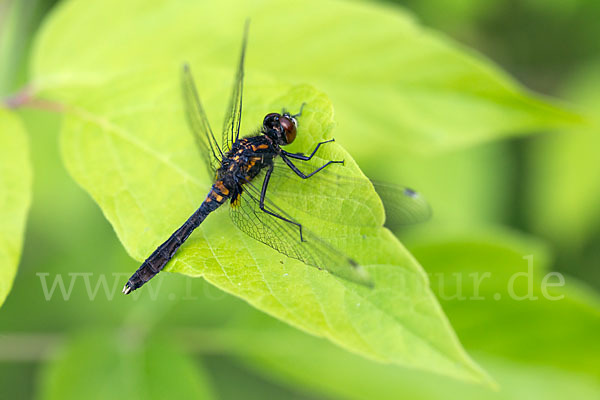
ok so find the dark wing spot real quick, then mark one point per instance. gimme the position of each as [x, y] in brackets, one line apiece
[411, 193]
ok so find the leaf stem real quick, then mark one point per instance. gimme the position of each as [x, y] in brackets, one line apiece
[26, 98]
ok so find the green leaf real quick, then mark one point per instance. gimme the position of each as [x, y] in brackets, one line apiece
[313, 365]
[406, 86]
[499, 287]
[15, 196]
[540, 349]
[121, 156]
[103, 365]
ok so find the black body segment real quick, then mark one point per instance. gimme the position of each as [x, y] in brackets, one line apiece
[163, 254]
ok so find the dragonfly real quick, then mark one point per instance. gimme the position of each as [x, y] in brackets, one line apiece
[245, 168]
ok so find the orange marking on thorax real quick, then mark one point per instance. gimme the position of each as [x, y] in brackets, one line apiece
[259, 147]
[252, 162]
[250, 165]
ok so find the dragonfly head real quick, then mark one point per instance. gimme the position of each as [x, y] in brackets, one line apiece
[281, 128]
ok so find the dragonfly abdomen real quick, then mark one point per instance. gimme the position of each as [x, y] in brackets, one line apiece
[163, 254]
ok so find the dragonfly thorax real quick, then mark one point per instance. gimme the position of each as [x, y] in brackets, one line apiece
[245, 160]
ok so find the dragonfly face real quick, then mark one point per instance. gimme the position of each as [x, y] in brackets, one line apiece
[281, 129]
[238, 163]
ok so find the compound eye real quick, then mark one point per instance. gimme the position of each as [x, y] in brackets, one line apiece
[289, 129]
[271, 120]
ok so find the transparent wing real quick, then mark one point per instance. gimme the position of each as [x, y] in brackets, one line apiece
[233, 114]
[285, 237]
[198, 122]
[402, 205]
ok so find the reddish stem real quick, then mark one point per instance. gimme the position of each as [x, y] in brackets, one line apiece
[25, 98]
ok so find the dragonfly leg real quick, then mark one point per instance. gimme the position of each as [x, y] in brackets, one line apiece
[302, 156]
[261, 204]
[302, 174]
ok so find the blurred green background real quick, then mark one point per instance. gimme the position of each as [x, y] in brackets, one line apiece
[495, 203]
